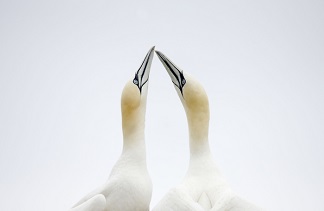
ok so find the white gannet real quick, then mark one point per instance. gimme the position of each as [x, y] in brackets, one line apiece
[203, 187]
[129, 187]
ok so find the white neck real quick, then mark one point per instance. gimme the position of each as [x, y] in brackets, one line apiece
[200, 154]
[133, 131]
[198, 124]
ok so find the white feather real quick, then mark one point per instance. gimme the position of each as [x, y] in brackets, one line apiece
[203, 187]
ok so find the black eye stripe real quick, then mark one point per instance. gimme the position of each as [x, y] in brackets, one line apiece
[183, 80]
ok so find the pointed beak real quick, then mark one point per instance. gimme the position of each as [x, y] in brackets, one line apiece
[142, 74]
[175, 73]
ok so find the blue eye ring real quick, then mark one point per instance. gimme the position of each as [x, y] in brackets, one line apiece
[183, 82]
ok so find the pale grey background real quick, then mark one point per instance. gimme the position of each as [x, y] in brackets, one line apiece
[63, 65]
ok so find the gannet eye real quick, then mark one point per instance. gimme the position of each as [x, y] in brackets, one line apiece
[183, 82]
[135, 81]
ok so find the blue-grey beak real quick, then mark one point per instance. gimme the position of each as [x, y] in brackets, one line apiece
[142, 74]
[175, 73]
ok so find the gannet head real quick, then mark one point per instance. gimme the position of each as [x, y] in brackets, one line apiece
[190, 91]
[194, 100]
[133, 99]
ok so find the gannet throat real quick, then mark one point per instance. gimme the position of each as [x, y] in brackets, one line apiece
[194, 100]
[129, 186]
[203, 187]
[133, 103]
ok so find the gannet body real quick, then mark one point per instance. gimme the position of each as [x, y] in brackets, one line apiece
[203, 187]
[97, 203]
[129, 187]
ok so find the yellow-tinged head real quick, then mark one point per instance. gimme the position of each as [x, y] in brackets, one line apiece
[133, 99]
[190, 91]
[193, 98]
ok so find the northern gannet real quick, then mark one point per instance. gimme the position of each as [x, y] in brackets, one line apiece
[129, 187]
[203, 187]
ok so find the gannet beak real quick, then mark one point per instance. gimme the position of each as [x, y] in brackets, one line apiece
[142, 74]
[175, 73]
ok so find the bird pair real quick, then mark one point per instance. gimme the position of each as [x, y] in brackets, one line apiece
[129, 187]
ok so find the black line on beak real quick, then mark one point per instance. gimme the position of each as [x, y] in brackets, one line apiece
[139, 76]
[181, 81]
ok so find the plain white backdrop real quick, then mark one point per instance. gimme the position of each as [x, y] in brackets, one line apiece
[63, 65]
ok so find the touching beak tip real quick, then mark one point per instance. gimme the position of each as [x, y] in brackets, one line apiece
[158, 53]
[152, 50]
[151, 53]
[160, 56]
